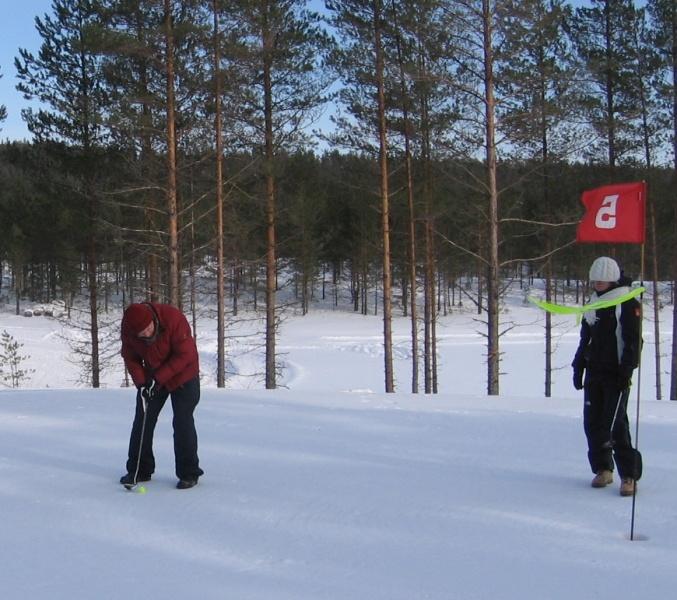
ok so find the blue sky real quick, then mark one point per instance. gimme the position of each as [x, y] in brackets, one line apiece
[18, 31]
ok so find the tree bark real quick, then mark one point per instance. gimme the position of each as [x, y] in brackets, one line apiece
[652, 229]
[220, 318]
[412, 217]
[268, 42]
[173, 229]
[493, 354]
[92, 280]
[385, 209]
[673, 380]
[610, 100]
[92, 285]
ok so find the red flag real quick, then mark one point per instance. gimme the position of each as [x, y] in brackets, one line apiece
[614, 213]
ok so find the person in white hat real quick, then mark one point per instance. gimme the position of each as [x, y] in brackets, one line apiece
[608, 353]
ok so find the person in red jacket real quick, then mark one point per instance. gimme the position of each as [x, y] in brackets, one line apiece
[161, 356]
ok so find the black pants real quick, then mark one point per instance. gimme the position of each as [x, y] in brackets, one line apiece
[184, 401]
[603, 399]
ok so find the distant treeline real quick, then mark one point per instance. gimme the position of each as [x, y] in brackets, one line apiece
[327, 215]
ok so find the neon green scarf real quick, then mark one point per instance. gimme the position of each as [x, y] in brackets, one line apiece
[559, 309]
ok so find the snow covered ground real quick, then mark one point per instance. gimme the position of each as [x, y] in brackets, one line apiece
[330, 489]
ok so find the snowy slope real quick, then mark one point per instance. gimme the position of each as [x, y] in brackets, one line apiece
[343, 351]
[341, 496]
[331, 489]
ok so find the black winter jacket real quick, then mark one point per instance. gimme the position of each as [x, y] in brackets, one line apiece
[610, 344]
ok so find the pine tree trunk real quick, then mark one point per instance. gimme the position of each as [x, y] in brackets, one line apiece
[93, 299]
[174, 275]
[220, 301]
[548, 332]
[654, 272]
[656, 299]
[191, 270]
[493, 354]
[92, 280]
[385, 210]
[642, 90]
[673, 380]
[481, 271]
[433, 305]
[429, 358]
[411, 242]
[610, 84]
[152, 283]
[548, 242]
[268, 40]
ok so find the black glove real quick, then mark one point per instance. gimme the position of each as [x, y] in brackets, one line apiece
[578, 379]
[579, 364]
[624, 378]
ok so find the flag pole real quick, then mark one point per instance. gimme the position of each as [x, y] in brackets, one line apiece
[639, 382]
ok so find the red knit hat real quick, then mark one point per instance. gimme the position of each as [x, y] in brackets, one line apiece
[136, 318]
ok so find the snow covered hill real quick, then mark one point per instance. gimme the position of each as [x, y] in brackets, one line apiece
[342, 351]
[329, 489]
[345, 496]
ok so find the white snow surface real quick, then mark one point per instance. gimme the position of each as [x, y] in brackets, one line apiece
[331, 489]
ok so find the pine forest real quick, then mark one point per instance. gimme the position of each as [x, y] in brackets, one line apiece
[399, 148]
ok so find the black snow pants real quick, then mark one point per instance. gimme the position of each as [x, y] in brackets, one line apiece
[184, 400]
[603, 399]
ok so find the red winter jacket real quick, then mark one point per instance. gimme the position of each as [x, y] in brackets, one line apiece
[171, 358]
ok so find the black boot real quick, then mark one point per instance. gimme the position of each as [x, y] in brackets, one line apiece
[185, 484]
[128, 479]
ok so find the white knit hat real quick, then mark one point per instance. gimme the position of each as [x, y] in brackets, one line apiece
[605, 269]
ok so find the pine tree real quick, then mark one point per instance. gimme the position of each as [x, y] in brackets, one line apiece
[3, 109]
[664, 16]
[155, 61]
[66, 77]
[362, 64]
[603, 38]
[45, 228]
[538, 114]
[414, 33]
[304, 203]
[218, 144]
[651, 126]
[282, 45]
[475, 39]
[406, 103]
[11, 373]
[134, 79]
[487, 61]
